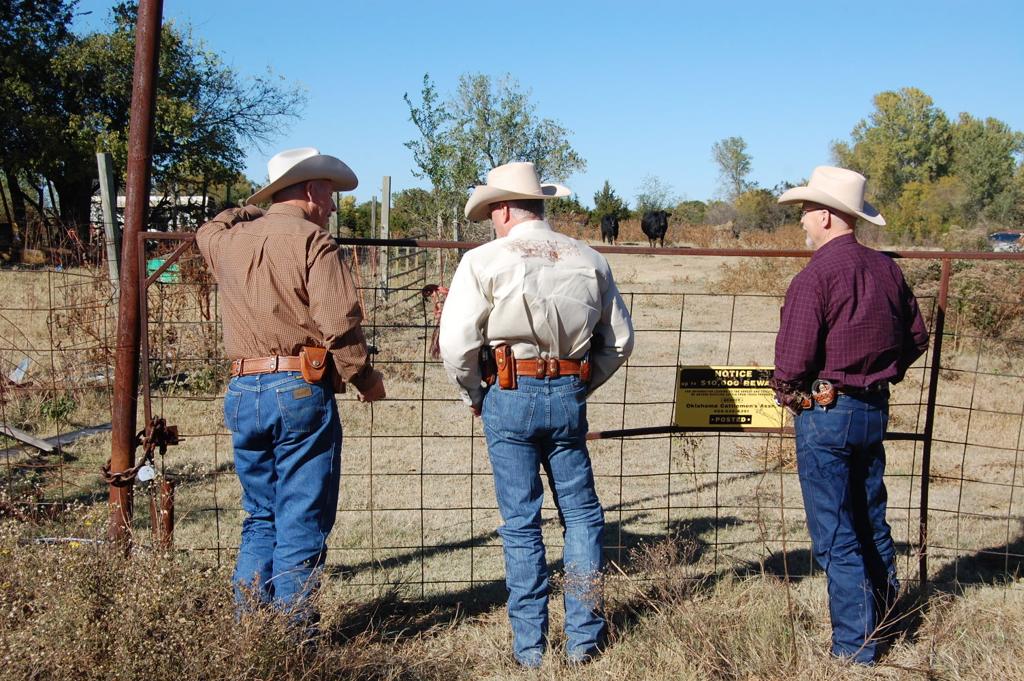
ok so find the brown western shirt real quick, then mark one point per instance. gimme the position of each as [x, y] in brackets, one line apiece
[283, 285]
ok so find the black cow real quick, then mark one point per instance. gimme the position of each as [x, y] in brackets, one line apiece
[654, 224]
[609, 229]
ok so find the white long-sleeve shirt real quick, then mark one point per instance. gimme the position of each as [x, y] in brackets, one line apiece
[543, 293]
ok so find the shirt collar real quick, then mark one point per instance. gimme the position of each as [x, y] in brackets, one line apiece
[528, 226]
[286, 209]
[837, 242]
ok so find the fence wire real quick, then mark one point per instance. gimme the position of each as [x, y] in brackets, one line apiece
[417, 509]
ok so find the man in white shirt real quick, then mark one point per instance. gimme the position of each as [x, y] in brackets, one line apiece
[552, 300]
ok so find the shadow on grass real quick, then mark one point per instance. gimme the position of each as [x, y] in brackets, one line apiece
[389, 613]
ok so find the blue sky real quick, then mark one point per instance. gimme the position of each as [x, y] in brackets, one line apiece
[645, 87]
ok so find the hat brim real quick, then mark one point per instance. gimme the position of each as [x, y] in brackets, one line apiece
[809, 194]
[321, 167]
[478, 205]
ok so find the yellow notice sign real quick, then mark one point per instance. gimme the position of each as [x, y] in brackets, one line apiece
[730, 398]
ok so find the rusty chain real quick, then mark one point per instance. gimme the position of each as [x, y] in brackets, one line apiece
[157, 436]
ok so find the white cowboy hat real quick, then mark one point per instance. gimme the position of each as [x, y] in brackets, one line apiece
[301, 165]
[837, 188]
[509, 182]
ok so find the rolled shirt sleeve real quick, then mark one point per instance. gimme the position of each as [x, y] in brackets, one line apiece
[334, 307]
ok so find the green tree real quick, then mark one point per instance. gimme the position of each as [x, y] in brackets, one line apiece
[31, 32]
[450, 168]
[691, 212]
[906, 139]
[205, 112]
[928, 210]
[607, 202]
[567, 205]
[758, 209]
[984, 159]
[411, 215]
[733, 165]
[496, 123]
[654, 194]
[486, 123]
[1008, 206]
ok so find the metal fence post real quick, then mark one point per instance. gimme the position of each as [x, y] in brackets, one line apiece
[938, 327]
[140, 145]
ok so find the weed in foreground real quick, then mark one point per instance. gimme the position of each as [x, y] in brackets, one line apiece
[71, 608]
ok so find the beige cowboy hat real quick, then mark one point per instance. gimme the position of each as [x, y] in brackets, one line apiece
[837, 188]
[301, 165]
[509, 182]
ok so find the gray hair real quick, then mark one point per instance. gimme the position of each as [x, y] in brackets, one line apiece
[526, 209]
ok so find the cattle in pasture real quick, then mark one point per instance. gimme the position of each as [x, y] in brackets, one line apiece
[654, 225]
[609, 229]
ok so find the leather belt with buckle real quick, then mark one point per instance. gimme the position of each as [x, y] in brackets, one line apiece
[264, 365]
[548, 368]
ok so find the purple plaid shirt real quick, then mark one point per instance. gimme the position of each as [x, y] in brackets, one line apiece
[848, 317]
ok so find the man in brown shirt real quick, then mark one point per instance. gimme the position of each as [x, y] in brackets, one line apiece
[283, 288]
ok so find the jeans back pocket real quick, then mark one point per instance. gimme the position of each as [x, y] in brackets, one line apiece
[232, 400]
[302, 405]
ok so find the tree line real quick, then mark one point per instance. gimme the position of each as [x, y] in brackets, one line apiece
[930, 175]
[65, 96]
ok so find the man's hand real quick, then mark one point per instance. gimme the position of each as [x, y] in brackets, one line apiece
[475, 409]
[374, 392]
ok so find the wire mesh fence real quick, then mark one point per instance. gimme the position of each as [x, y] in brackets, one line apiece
[417, 509]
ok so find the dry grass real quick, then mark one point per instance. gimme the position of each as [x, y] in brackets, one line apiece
[411, 469]
[76, 611]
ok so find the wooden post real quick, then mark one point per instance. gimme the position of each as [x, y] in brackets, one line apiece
[373, 217]
[336, 217]
[385, 231]
[108, 210]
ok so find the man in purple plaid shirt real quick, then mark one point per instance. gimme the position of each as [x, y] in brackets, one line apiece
[850, 319]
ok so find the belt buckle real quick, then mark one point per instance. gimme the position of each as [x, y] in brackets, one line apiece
[823, 392]
[277, 363]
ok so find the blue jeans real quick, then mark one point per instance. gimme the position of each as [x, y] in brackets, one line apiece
[841, 462]
[287, 439]
[544, 424]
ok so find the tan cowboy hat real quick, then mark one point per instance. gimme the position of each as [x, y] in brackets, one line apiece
[301, 165]
[837, 188]
[509, 182]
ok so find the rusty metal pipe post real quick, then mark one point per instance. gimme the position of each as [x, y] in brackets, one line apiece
[140, 145]
[161, 515]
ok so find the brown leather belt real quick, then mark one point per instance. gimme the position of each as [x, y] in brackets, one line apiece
[547, 368]
[264, 365]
